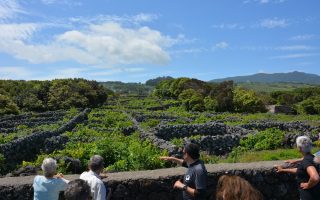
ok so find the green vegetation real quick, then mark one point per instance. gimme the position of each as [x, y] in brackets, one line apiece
[187, 101]
[265, 140]
[102, 135]
[50, 95]
[272, 87]
[24, 130]
[128, 88]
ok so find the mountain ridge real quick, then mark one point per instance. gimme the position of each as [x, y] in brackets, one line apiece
[290, 77]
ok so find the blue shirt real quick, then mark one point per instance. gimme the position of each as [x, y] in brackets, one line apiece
[48, 189]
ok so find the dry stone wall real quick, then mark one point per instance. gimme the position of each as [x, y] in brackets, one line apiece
[157, 184]
[26, 148]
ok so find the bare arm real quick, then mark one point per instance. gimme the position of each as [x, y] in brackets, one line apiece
[280, 169]
[172, 159]
[313, 178]
[179, 185]
[293, 161]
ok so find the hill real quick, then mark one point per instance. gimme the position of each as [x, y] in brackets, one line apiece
[291, 77]
[271, 87]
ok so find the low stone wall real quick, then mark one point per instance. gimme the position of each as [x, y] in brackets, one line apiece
[168, 132]
[284, 126]
[157, 184]
[26, 148]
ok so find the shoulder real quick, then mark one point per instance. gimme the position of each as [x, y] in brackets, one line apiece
[38, 178]
[200, 169]
[84, 174]
[308, 160]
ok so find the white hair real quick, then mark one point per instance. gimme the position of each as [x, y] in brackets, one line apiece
[304, 143]
[49, 167]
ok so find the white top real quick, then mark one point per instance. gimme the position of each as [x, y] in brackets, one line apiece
[98, 190]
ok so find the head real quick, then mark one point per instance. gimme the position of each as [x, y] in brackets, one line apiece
[96, 163]
[191, 152]
[232, 187]
[77, 190]
[304, 144]
[49, 167]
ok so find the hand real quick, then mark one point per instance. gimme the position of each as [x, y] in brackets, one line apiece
[279, 168]
[58, 175]
[304, 186]
[178, 184]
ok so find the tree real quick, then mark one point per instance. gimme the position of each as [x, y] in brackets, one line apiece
[247, 101]
[309, 106]
[7, 106]
[192, 100]
[223, 93]
[210, 103]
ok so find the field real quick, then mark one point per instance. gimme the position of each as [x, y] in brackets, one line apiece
[131, 132]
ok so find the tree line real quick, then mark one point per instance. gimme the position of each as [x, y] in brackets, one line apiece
[198, 95]
[20, 95]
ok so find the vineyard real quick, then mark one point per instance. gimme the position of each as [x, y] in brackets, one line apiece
[131, 132]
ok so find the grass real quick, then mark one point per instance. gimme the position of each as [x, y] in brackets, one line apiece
[256, 156]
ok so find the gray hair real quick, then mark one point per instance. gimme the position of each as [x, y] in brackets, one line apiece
[49, 167]
[304, 143]
[96, 163]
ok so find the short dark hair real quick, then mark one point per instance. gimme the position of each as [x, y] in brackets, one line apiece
[193, 150]
[77, 190]
[96, 163]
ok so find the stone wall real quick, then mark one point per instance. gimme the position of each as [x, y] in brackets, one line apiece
[157, 184]
[26, 148]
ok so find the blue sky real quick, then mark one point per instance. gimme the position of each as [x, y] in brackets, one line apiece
[135, 40]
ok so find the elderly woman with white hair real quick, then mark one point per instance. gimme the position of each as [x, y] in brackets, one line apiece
[306, 171]
[48, 186]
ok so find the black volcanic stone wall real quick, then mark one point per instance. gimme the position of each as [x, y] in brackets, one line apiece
[26, 148]
[167, 132]
[157, 184]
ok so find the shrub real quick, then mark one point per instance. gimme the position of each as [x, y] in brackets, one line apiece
[265, 140]
[7, 106]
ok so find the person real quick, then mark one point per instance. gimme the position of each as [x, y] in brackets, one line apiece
[231, 187]
[194, 183]
[306, 171]
[48, 186]
[93, 178]
[77, 190]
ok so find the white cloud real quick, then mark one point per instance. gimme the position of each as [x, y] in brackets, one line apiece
[293, 56]
[17, 31]
[295, 48]
[9, 9]
[62, 2]
[102, 44]
[124, 19]
[221, 45]
[142, 17]
[274, 23]
[14, 72]
[188, 51]
[303, 37]
[228, 26]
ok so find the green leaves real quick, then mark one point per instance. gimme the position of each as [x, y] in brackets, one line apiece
[265, 140]
[247, 101]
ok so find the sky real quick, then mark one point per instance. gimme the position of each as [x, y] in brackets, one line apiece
[137, 40]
